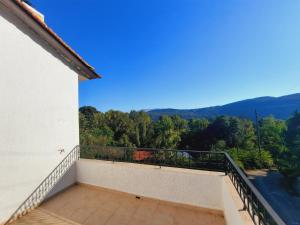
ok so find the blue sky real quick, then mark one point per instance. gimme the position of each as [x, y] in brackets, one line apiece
[181, 53]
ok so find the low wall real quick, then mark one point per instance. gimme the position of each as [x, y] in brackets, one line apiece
[193, 187]
[212, 190]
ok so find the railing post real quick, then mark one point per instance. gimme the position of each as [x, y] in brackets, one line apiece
[158, 153]
[78, 152]
[125, 155]
[225, 164]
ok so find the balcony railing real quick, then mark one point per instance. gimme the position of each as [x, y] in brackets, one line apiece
[258, 208]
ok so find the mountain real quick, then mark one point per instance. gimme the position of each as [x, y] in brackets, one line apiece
[280, 107]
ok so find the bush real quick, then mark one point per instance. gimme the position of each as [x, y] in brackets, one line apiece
[235, 156]
[252, 159]
[289, 165]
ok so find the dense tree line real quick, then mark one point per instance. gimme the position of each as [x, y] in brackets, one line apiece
[278, 145]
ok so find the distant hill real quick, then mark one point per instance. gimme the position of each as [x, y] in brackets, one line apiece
[279, 107]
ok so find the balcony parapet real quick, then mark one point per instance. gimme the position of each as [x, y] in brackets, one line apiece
[253, 202]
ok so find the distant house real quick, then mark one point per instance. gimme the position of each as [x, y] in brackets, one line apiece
[39, 76]
[141, 155]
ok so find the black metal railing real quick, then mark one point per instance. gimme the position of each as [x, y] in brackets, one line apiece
[38, 195]
[208, 160]
[258, 208]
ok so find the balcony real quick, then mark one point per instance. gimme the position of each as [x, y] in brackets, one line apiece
[147, 186]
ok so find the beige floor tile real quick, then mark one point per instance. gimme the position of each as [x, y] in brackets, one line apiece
[118, 219]
[138, 221]
[185, 216]
[166, 209]
[82, 204]
[100, 217]
[145, 210]
[161, 219]
[41, 217]
[81, 215]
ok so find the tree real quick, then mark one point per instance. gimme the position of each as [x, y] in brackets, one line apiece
[191, 138]
[165, 134]
[272, 133]
[122, 126]
[142, 123]
[246, 138]
[180, 125]
[289, 164]
[83, 123]
[89, 112]
[197, 124]
[235, 132]
[224, 133]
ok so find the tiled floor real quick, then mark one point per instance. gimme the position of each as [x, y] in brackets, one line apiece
[89, 205]
[42, 217]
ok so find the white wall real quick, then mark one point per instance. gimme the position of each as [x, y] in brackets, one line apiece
[193, 187]
[38, 111]
[206, 189]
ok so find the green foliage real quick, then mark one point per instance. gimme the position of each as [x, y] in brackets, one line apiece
[219, 134]
[253, 159]
[167, 133]
[289, 162]
[142, 128]
[280, 140]
[293, 133]
[191, 137]
[272, 136]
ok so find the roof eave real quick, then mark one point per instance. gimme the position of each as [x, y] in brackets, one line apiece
[82, 67]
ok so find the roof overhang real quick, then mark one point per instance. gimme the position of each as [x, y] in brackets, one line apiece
[67, 54]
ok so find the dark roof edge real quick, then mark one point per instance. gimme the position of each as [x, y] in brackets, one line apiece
[90, 72]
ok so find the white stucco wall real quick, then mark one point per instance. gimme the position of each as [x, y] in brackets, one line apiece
[38, 111]
[193, 187]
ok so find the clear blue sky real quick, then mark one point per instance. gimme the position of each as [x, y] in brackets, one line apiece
[181, 53]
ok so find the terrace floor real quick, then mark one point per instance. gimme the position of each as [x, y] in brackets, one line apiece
[89, 205]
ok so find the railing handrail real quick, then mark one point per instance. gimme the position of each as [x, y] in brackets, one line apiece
[254, 190]
[76, 148]
[160, 149]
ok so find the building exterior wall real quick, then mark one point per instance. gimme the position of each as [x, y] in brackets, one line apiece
[38, 111]
[192, 187]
